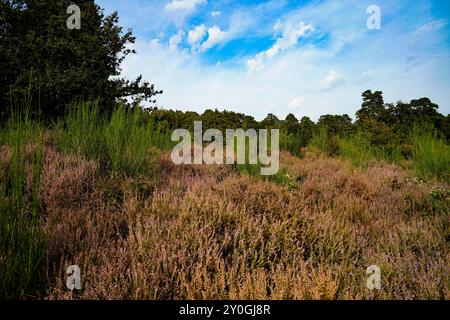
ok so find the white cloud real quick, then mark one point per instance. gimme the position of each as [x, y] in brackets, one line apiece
[196, 35]
[291, 34]
[332, 79]
[288, 39]
[299, 79]
[216, 13]
[184, 4]
[176, 39]
[432, 26]
[255, 64]
[189, 84]
[296, 102]
[215, 36]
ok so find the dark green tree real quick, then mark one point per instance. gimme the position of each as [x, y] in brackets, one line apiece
[337, 125]
[41, 57]
[306, 131]
[270, 122]
[372, 106]
[291, 124]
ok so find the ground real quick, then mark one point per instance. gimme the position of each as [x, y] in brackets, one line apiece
[210, 232]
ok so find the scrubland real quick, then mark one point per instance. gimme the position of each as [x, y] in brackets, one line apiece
[106, 196]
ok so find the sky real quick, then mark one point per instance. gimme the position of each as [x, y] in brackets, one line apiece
[309, 57]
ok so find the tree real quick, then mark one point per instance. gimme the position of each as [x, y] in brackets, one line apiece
[291, 124]
[337, 125]
[249, 123]
[306, 131]
[402, 116]
[41, 57]
[270, 122]
[372, 106]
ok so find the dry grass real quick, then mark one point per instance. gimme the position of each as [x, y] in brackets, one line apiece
[206, 232]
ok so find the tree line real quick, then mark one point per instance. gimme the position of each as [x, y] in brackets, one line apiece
[383, 124]
[47, 65]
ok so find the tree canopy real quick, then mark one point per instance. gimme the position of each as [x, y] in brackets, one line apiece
[40, 57]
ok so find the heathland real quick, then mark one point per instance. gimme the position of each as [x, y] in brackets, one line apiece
[86, 179]
[102, 193]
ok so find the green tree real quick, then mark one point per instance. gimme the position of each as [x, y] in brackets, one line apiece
[270, 122]
[291, 124]
[337, 125]
[41, 57]
[372, 106]
[306, 131]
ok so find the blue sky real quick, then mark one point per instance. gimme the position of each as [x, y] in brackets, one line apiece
[305, 57]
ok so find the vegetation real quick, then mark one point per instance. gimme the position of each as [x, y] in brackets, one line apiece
[92, 184]
[120, 143]
[61, 66]
[22, 240]
[431, 154]
[101, 191]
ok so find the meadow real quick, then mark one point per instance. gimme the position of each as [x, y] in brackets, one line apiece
[101, 192]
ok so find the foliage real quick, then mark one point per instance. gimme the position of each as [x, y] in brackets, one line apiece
[431, 155]
[22, 242]
[121, 142]
[60, 65]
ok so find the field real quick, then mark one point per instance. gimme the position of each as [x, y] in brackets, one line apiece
[104, 195]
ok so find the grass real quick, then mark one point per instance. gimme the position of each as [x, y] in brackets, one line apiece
[22, 241]
[121, 143]
[291, 143]
[320, 140]
[101, 191]
[431, 154]
[358, 150]
[207, 233]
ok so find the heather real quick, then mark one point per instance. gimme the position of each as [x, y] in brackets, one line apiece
[144, 228]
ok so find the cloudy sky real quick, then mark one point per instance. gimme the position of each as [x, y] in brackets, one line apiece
[309, 57]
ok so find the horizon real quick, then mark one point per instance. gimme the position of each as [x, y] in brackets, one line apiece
[308, 58]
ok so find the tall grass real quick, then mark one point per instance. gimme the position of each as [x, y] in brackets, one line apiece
[121, 142]
[357, 149]
[22, 241]
[320, 139]
[291, 143]
[431, 154]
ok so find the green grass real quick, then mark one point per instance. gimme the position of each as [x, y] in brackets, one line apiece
[291, 143]
[357, 149]
[431, 154]
[281, 177]
[120, 142]
[320, 140]
[22, 242]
